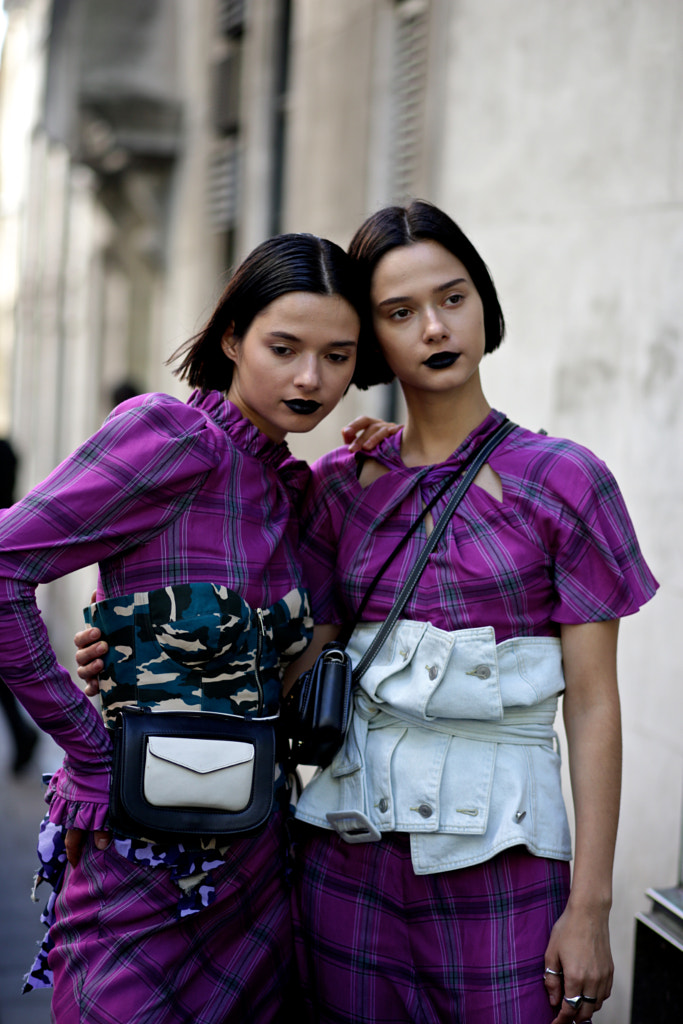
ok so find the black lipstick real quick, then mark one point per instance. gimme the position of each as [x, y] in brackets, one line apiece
[302, 407]
[441, 360]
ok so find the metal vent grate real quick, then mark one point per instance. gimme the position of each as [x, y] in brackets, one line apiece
[410, 91]
[224, 185]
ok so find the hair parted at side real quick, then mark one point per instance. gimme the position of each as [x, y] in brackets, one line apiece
[421, 221]
[282, 264]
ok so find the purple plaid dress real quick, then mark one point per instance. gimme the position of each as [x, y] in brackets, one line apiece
[375, 941]
[165, 493]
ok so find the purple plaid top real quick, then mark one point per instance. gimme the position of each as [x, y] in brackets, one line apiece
[164, 493]
[559, 548]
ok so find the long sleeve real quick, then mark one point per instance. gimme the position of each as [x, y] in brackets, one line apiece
[123, 486]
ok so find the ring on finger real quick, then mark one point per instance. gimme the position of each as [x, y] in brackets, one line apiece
[574, 1001]
[556, 974]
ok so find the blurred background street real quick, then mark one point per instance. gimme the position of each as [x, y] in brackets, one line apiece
[21, 808]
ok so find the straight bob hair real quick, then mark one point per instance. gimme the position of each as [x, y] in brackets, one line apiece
[282, 264]
[396, 226]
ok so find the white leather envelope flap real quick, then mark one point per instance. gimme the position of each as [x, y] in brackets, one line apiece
[185, 772]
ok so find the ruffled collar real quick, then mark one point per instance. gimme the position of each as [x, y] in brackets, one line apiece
[388, 453]
[249, 439]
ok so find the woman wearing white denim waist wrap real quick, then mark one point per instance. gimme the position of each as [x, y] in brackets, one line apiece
[540, 553]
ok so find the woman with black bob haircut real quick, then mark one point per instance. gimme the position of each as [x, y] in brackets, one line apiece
[433, 877]
[396, 226]
[190, 510]
[285, 263]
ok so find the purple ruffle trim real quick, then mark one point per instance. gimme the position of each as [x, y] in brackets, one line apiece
[78, 803]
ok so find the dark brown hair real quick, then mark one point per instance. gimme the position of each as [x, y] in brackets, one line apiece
[282, 264]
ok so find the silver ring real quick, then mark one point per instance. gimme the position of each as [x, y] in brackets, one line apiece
[574, 1001]
[549, 970]
[589, 999]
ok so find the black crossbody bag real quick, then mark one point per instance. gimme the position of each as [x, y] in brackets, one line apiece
[317, 709]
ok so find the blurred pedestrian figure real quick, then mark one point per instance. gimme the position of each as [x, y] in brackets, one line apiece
[124, 390]
[24, 735]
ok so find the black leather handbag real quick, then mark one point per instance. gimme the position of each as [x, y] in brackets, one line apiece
[317, 710]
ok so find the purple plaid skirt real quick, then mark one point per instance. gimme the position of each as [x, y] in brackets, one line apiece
[375, 942]
[122, 953]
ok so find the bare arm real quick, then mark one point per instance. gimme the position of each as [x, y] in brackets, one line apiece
[579, 944]
[89, 654]
[90, 658]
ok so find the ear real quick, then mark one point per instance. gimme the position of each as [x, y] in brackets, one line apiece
[230, 343]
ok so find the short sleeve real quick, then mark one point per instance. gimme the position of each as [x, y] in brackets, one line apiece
[599, 569]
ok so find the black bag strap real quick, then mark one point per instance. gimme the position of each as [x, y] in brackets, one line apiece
[481, 457]
[450, 480]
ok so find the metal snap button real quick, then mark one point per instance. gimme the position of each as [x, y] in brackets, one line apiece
[425, 811]
[432, 671]
[482, 671]
[520, 816]
[383, 805]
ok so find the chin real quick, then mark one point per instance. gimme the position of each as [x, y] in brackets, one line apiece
[305, 424]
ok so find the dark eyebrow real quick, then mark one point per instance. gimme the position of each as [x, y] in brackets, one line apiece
[439, 288]
[293, 337]
[451, 284]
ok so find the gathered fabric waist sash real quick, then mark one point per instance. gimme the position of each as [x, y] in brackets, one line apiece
[519, 725]
[451, 740]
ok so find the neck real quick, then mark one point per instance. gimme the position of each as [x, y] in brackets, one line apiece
[438, 423]
[270, 430]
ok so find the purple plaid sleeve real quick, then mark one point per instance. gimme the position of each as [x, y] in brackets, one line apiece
[125, 483]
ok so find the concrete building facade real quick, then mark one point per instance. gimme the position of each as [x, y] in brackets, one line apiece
[145, 146]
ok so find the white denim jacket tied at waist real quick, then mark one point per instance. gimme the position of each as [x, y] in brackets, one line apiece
[452, 741]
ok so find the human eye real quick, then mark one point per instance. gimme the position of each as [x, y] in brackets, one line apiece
[454, 299]
[400, 314]
[338, 357]
[280, 350]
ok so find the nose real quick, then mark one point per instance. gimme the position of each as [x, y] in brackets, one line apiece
[307, 375]
[434, 327]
